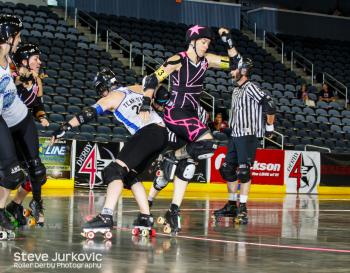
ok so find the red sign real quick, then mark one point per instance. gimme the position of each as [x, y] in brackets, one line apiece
[268, 168]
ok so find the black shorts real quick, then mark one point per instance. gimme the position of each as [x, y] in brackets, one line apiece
[185, 124]
[242, 149]
[144, 147]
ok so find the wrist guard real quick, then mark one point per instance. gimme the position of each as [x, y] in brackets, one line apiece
[60, 132]
[227, 39]
[146, 105]
[25, 79]
[269, 130]
[41, 117]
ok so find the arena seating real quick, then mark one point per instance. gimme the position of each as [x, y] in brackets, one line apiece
[71, 60]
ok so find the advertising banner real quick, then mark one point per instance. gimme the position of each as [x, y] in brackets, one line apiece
[57, 158]
[268, 168]
[91, 158]
[335, 170]
[302, 171]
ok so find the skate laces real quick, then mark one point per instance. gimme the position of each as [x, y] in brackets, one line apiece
[40, 206]
[6, 216]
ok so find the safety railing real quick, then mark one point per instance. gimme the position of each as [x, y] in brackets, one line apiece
[266, 38]
[248, 23]
[318, 147]
[121, 47]
[305, 67]
[346, 88]
[64, 4]
[213, 103]
[274, 142]
[146, 64]
[76, 16]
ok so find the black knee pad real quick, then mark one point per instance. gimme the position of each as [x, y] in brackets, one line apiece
[160, 183]
[243, 173]
[131, 179]
[113, 171]
[228, 171]
[11, 176]
[36, 170]
[202, 149]
[186, 169]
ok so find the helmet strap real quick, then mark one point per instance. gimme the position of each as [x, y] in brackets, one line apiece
[194, 48]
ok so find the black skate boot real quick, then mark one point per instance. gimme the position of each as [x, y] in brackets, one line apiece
[227, 211]
[100, 223]
[16, 211]
[143, 224]
[242, 213]
[172, 221]
[36, 209]
[6, 226]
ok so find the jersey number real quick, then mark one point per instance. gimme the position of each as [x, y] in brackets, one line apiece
[137, 108]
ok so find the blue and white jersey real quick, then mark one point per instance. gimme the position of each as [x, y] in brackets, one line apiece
[128, 111]
[13, 108]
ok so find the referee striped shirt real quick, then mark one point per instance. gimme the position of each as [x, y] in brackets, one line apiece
[202, 114]
[246, 113]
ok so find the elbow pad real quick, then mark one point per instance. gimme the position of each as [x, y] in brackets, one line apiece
[87, 115]
[150, 82]
[270, 105]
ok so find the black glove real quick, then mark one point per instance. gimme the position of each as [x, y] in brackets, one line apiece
[146, 105]
[41, 117]
[62, 130]
[24, 78]
[269, 130]
[227, 39]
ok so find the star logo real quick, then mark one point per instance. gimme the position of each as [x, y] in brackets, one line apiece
[195, 29]
[301, 172]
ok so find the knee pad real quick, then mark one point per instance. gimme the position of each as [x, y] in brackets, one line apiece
[36, 170]
[202, 149]
[243, 173]
[11, 176]
[185, 169]
[160, 183]
[228, 171]
[113, 171]
[130, 180]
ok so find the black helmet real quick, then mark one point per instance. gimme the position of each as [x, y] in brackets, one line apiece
[24, 52]
[162, 96]
[196, 32]
[103, 81]
[245, 63]
[9, 26]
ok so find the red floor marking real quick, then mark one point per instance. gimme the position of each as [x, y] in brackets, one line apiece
[246, 243]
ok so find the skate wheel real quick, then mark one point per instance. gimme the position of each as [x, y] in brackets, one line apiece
[11, 236]
[219, 218]
[3, 235]
[108, 235]
[26, 213]
[90, 243]
[153, 233]
[160, 220]
[237, 220]
[145, 232]
[167, 229]
[174, 233]
[90, 235]
[135, 231]
[31, 222]
[108, 244]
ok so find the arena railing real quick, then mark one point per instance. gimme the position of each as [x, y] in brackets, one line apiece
[77, 16]
[305, 67]
[266, 34]
[121, 47]
[65, 6]
[274, 142]
[249, 23]
[346, 88]
[213, 103]
[318, 147]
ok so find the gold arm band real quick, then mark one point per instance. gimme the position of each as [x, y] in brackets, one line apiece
[225, 62]
[161, 74]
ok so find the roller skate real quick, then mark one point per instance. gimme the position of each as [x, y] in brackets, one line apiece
[100, 223]
[6, 226]
[172, 221]
[227, 211]
[17, 212]
[36, 211]
[242, 213]
[142, 226]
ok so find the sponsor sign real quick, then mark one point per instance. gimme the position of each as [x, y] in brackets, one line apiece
[302, 171]
[268, 167]
[91, 158]
[335, 170]
[57, 158]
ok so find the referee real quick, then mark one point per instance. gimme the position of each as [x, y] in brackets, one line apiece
[246, 121]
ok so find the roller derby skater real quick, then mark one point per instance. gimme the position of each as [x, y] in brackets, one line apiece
[149, 138]
[246, 121]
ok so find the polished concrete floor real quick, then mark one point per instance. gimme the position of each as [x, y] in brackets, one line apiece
[285, 233]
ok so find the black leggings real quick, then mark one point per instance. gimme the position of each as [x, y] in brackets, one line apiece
[7, 148]
[25, 135]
